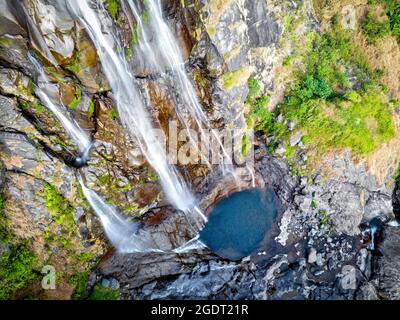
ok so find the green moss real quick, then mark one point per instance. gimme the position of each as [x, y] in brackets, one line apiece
[5, 235]
[6, 42]
[211, 31]
[79, 280]
[245, 146]
[17, 269]
[131, 209]
[38, 107]
[75, 66]
[91, 109]
[112, 7]
[61, 212]
[235, 78]
[146, 16]
[104, 179]
[254, 90]
[77, 99]
[112, 113]
[101, 293]
[290, 152]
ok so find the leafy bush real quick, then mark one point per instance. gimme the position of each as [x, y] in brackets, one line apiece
[375, 30]
[393, 12]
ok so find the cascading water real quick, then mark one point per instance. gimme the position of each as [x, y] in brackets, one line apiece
[131, 109]
[119, 230]
[169, 51]
[42, 90]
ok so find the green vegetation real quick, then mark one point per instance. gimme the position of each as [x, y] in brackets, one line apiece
[61, 212]
[235, 78]
[392, 10]
[75, 66]
[5, 236]
[112, 7]
[325, 223]
[259, 116]
[77, 99]
[288, 60]
[101, 293]
[16, 270]
[79, 280]
[330, 111]
[374, 29]
[313, 204]
[36, 106]
[112, 113]
[91, 109]
[146, 16]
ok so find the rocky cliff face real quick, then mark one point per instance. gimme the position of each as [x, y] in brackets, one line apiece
[317, 250]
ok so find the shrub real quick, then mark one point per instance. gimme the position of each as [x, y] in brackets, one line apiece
[373, 29]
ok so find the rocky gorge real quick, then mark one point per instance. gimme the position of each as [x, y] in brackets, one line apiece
[243, 57]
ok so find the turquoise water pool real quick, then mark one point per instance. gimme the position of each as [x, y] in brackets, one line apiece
[238, 224]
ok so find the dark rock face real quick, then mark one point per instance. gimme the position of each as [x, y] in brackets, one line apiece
[386, 265]
[396, 201]
[263, 29]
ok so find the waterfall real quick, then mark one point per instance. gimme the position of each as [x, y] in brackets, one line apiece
[119, 230]
[131, 110]
[166, 45]
[42, 90]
